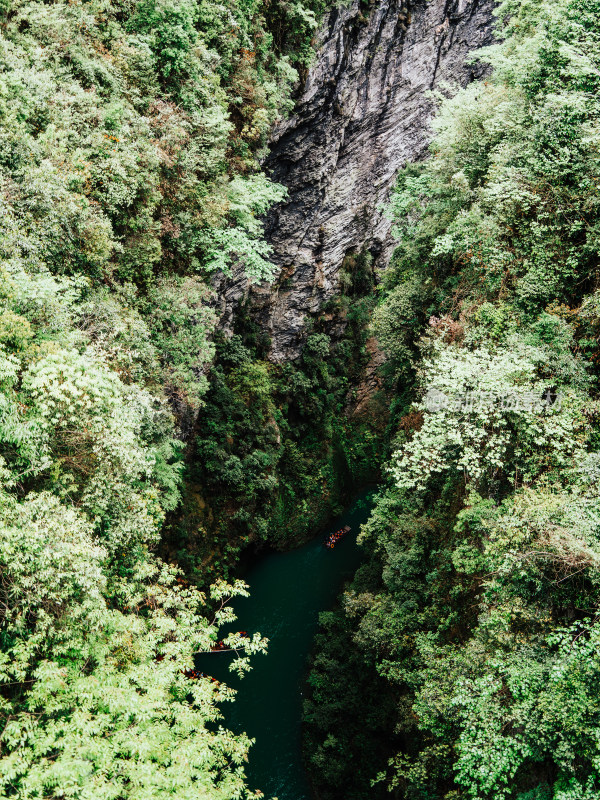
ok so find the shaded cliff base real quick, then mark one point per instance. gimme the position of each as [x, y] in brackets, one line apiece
[279, 448]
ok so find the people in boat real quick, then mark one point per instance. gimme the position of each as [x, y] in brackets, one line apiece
[194, 674]
[333, 538]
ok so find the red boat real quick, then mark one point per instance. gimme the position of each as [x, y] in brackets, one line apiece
[335, 537]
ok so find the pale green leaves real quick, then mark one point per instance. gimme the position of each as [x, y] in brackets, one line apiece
[486, 412]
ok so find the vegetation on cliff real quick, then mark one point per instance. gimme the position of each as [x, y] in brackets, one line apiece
[278, 448]
[474, 627]
[128, 141]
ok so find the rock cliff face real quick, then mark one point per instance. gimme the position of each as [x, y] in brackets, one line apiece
[363, 112]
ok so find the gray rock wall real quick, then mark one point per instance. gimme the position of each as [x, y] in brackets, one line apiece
[363, 112]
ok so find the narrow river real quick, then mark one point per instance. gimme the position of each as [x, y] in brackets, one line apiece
[287, 592]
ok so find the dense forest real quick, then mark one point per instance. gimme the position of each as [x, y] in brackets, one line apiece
[464, 660]
[129, 136]
[142, 451]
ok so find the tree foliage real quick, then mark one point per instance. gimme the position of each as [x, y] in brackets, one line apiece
[479, 605]
[129, 142]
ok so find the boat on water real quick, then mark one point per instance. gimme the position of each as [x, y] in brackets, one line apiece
[221, 647]
[333, 538]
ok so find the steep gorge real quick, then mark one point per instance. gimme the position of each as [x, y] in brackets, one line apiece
[363, 111]
[269, 468]
[147, 456]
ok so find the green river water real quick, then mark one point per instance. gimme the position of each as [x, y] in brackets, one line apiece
[287, 592]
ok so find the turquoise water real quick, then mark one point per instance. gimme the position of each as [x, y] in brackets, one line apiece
[287, 592]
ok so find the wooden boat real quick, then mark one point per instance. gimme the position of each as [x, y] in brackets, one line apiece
[333, 538]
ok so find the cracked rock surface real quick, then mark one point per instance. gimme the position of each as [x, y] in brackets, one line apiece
[364, 111]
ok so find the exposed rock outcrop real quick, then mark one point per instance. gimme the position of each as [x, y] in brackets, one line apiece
[364, 111]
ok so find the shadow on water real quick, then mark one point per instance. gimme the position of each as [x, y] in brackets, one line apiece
[287, 592]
